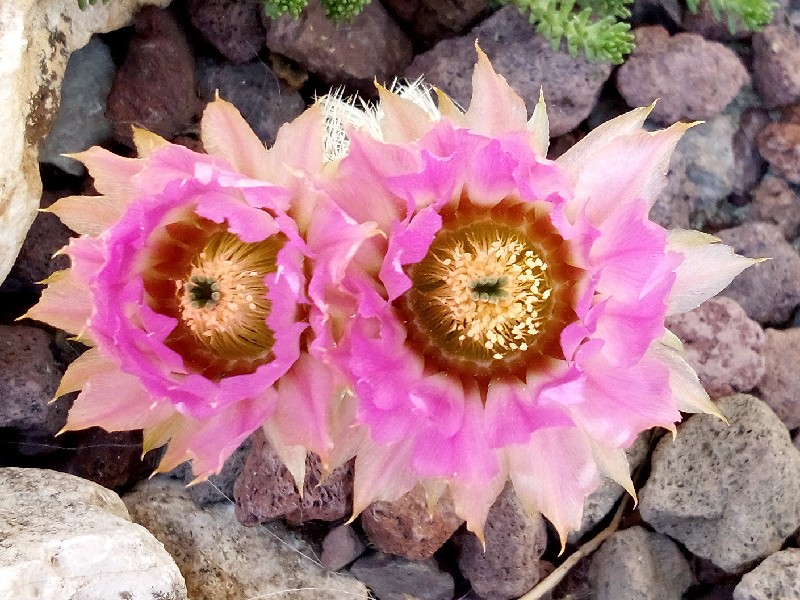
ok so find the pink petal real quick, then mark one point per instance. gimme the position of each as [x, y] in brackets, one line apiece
[299, 145]
[495, 108]
[574, 159]
[382, 473]
[490, 176]
[208, 443]
[473, 500]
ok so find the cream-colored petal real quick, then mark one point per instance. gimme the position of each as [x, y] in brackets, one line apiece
[613, 463]
[65, 303]
[147, 142]
[539, 126]
[687, 392]
[226, 134]
[707, 268]
[401, 121]
[87, 215]
[114, 176]
[292, 456]
[630, 122]
[448, 108]
[89, 364]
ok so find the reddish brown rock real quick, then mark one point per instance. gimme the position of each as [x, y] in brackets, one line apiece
[690, 77]
[780, 386]
[769, 292]
[233, 27]
[439, 19]
[704, 23]
[774, 201]
[358, 52]
[749, 165]
[776, 65]
[723, 345]
[155, 86]
[779, 144]
[571, 85]
[515, 540]
[265, 490]
[406, 528]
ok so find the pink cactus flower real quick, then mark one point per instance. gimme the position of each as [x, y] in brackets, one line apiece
[188, 282]
[501, 315]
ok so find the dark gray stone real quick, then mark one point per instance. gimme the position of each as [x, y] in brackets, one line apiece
[394, 578]
[636, 564]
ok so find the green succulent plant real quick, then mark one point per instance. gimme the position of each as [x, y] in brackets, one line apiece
[337, 10]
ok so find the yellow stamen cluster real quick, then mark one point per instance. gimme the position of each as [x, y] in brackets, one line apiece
[223, 299]
[482, 290]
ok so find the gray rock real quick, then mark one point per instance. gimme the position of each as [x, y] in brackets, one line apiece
[601, 502]
[749, 166]
[701, 174]
[729, 493]
[340, 547]
[692, 78]
[67, 538]
[394, 578]
[221, 559]
[369, 47]
[769, 292]
[723, 345]
[29, 377]
[81, 121]
[777, 578]
[515, 540]
[571, 85]
[636, 564]
[255, 91]
[219, 487]
[780, 386]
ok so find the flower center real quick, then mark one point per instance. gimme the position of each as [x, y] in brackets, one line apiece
[493, 293]
[223, 301]
[213, 284]
[482, 291]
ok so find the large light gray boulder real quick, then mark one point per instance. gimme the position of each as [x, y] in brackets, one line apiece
[222, 559]
[65, 538]
[36, 40]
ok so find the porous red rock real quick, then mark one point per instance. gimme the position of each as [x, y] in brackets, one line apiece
[781, 382]
[233, 27]
[527, 61]
[340, 547]
[515, 540]
[155, 88]
[723, 345]
[774, 201]
[29, 377]
[439, 19]
[776, 65]
[769, 291]
[407, 528]
[691, 78]
[369, 47]
[779, 144]
[266, 490]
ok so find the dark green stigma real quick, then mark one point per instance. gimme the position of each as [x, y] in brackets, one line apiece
[489, 289]
[203, 291]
